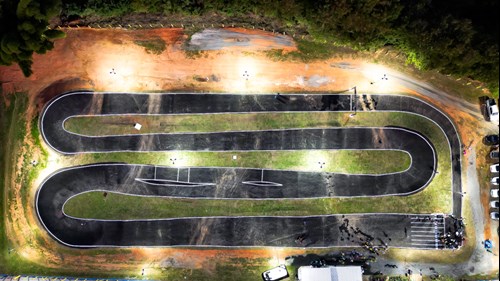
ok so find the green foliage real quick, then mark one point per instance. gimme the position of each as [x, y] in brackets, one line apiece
[13, 132]
[193, 54]
[307, 51]
[398, 278]
[413, 59]
[153, 46]
[362, 24]
[5, 113]
[23, 31]
[54, 34]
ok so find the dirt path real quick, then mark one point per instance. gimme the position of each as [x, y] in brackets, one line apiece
[436, 95]
[481, 260]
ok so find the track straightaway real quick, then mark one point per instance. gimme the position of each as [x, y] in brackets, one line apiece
[205, 182]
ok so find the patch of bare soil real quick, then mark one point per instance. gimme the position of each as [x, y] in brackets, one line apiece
[108, 60]
[218, 39]
[58, 87]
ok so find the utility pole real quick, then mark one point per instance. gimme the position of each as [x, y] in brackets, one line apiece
[354, 102]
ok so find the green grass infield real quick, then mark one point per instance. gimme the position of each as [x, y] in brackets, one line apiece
[435, 198]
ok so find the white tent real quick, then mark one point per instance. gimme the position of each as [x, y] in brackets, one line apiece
[330, 273]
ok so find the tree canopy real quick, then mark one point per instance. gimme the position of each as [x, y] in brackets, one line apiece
[23, 30]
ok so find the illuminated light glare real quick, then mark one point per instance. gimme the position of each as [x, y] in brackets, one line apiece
[379, 78]
[118, 69]
[178, 159]
[28, 253]
[316, 160]
[53, 164]
[275, 254]
[248, 75]
[147, 270]
[148, 252]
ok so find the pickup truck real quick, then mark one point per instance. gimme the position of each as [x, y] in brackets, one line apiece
[492, 110]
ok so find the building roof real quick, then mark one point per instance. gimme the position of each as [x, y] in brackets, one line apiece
[330, 273]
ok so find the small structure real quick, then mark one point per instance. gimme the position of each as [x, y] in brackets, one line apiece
[330, 273]
[275, 274]
[137, 126]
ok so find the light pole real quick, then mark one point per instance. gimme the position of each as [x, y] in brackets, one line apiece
[354, 102]
[246, 75]
[383, 78]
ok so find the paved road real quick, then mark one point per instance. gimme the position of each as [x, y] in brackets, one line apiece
[248, 231]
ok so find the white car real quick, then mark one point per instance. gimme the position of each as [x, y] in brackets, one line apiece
[494, 204]
[494, 193]
[494, 168]
[494, 215]
[494, 181]
[492, 109]
[276, 273]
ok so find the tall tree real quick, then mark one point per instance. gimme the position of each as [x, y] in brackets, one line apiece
[23, 31]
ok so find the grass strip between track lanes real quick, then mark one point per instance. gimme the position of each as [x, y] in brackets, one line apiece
[124, 124]
[435, 198]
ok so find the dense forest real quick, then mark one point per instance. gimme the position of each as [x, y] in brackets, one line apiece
[458, 37]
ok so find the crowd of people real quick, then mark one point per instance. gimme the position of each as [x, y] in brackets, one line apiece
[454, 236]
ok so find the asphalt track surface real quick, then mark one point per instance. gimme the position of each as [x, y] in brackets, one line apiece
[244, 183]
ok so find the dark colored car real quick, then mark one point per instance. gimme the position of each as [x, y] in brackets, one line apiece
[494, 154]
[491, 140]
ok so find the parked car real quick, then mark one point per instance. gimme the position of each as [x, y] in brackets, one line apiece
[494, 181]
[492, 110]
[494, 168]
[494, 204]
[491, 140]
[276, 273]
[494, 215]
[494, 193]
[494, 154]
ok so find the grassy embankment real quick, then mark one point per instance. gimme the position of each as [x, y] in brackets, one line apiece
[17, 176]
[15, 182]
[435, 198]
[154, 45]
